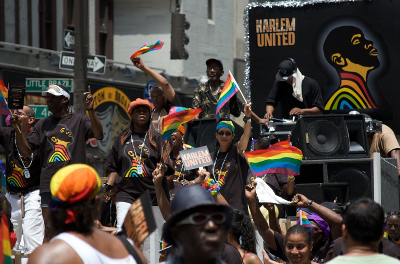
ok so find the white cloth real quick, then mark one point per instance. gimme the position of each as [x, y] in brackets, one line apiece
[30, 229]
[266, 195]
[297, 84]
[89, 254]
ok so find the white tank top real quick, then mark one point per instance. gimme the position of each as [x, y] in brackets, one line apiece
[89, 254]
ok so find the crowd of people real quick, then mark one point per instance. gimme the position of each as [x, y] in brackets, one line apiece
[204, 214]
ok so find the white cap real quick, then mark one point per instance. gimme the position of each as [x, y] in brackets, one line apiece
[57, 91]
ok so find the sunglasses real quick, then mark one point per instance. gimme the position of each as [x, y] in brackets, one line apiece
[213, 68]
[221, 133]
[393, 213]
[201, 219]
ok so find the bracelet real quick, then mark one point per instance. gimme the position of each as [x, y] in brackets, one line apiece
[211, 186]
[245, 119]
[310, 202]
[91, 109]
[107, 186]
[290, 178]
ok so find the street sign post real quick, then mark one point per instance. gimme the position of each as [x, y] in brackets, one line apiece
[42, 84]
[95, 63]
[41, 111]
[69, 39]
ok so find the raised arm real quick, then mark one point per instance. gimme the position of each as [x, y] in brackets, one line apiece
[88, 103]
[23, 146]
[332, 218]
[244, 140]
[261, 224]
[162, 200]
[165, 85]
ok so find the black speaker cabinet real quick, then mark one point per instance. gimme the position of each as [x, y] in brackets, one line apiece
[321, 192]
[357, 174]
[330, 137]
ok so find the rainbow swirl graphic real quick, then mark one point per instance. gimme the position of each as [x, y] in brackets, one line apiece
[132, 172]
[15, 179]
[60, 154]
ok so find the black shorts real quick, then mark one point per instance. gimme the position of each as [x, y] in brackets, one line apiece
[46, 198]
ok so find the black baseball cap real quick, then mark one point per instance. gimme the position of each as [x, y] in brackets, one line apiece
[216, 60]
[286, 69]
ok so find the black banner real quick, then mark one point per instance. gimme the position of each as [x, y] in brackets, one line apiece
[349, 47]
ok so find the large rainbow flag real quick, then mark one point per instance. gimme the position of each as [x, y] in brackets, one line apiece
[277, 159]
[305, 222]
[171, 123]
[147, 48]
[5, 258]
[229, 90]
[3, 103]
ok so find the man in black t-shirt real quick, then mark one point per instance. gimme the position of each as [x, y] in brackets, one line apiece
[22, 182]
[297, 94]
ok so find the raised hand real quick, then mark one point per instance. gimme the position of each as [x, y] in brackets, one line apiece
[88, 100]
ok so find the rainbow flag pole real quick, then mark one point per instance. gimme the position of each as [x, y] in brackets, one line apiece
[240, 91]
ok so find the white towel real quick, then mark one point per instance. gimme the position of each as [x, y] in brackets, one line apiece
[266, 194]
[297, 83]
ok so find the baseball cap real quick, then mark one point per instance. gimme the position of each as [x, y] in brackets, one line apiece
[216, 60]
[286, 69]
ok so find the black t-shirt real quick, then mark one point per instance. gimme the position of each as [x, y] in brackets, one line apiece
[282, 92]
[233, 173]
[15, 179]
[230, 255]
[123, 159]
[61, 142]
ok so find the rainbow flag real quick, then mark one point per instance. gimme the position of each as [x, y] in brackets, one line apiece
[171, 123]
[3, 103]
[147, 48]
[175, 109]
[229, 90]
[276, 159]
[5, 240]
[305, 222]
[3, 88]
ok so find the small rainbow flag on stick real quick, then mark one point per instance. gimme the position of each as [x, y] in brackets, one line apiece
[3, 103]
[5, 258]
[276, 159]
[305, 222]
[147, 48]
[230, 88]
[173, 121]
[3, 88]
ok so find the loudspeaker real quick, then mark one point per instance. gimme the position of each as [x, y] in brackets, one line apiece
[321, 192]
[331, 136]
[357, 174]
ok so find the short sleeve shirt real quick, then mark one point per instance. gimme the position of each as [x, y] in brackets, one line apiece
[231, 169]
[282, 92]
[61, 142]
[124, 159]
[15, 178]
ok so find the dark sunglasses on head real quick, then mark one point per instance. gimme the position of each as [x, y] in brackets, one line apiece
[221, 133]
[201, 219]
[393, 213]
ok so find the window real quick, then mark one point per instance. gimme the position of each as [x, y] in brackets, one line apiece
[210, 9]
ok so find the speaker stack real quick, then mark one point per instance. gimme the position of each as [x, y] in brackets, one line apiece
[336, 151]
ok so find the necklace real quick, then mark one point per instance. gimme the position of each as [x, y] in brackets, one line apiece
[212, 92]
[139, 166]
[220, 170]
[26, 169]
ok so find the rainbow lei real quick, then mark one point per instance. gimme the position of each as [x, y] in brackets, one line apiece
[212, 186]
[386, 235]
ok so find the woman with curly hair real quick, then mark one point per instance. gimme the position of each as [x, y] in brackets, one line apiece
[242, 236]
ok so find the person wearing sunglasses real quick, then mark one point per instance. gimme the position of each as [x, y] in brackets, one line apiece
[297, 94]
[197, 227]
[228, 173]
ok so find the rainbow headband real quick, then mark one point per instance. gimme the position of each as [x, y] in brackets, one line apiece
[227, 124]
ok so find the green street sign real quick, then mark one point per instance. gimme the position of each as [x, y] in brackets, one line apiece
[41, 111]
[42, 84]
